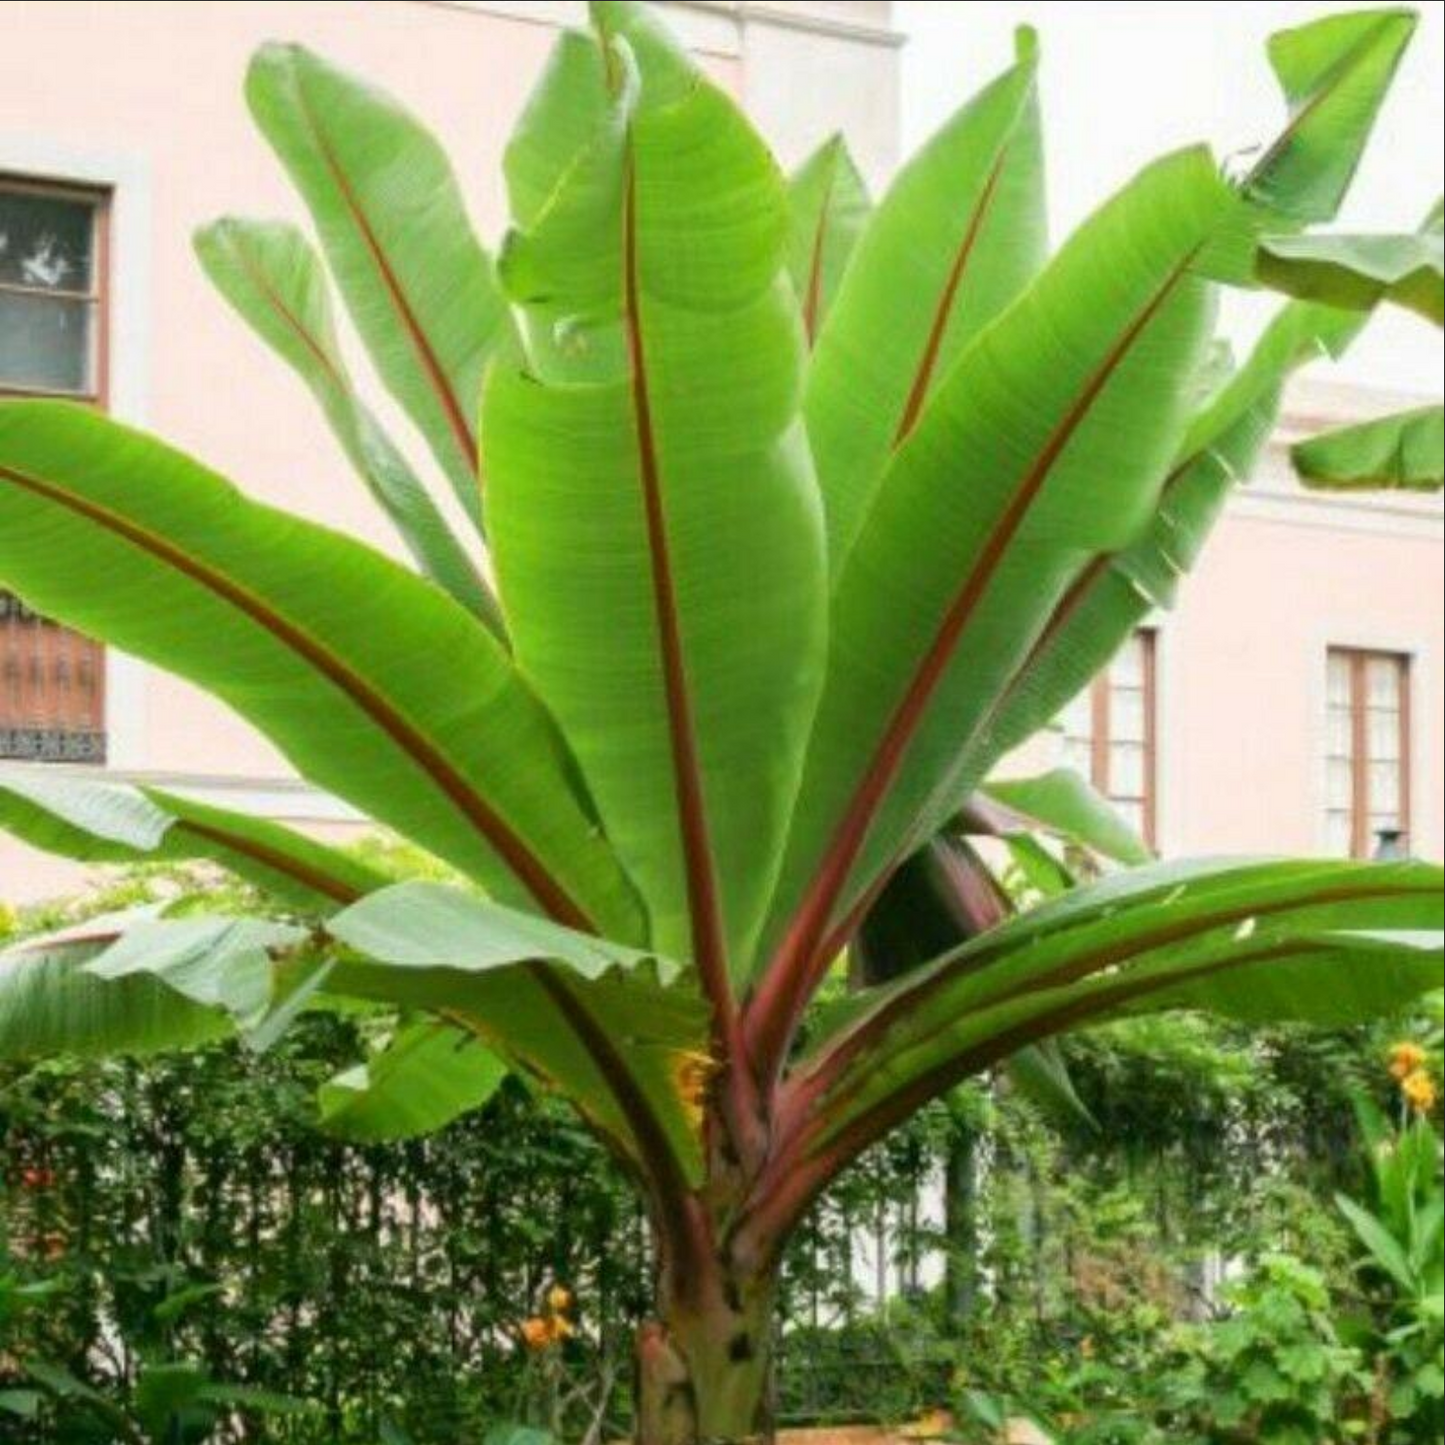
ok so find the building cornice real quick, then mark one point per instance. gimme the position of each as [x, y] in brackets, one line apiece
[1314, 405]
[715, 27]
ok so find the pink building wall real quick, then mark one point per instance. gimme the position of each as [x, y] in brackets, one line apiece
[146, 94]
[1242, 661]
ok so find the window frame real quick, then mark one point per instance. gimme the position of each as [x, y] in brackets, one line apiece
[52, 738]
[1363, 841]
[98, 297]
[1101, 738]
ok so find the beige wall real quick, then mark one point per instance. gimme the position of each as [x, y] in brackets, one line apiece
[1286, 575]
[145, 95]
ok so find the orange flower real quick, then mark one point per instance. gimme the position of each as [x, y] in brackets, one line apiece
[559, 1299]
[1419, 1090]
[1405, 1058]
[537, 1333]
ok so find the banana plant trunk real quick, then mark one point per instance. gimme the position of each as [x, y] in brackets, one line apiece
[705, 1362]
[705, 1376]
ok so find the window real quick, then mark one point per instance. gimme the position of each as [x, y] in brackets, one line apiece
[52, 690]
[53, 269]
[52, 290]
[1367, 750]
[1109, 733]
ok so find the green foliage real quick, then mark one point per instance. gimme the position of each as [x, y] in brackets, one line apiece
[386, 1282]
[783, 570]
[1401, 1228]
[1276, 1370]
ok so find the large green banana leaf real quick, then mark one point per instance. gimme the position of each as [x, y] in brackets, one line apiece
[97, 822]
[657, 536]
[569, 125]
[595, 1020]
[251, 970]
[269, 273]
[1359, 272]
[1066, 805]
[959, 234]
[1318, 941]
[1114, 593]
[1403, 452]
[334, 651]
[396, 235]
[1335, 73]
[427, 1074]
[828, 209]
[1042, 447]
[50, 1004]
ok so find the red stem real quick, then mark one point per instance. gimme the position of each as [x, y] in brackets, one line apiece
[778, 1004]
[709, 943]
[827, 1073]
[796, 1176]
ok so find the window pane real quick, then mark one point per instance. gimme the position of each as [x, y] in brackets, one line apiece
[1382, 681]
[1385, 787]
[1339, 679]
[1126, 770]
[1339, 783]
[1127, 668]
[1384, 735]
[1079, 755]
[1077, 718]
[1132, 813]
[46, 241]
[45, 342]
[1126, 715]
[1338, 841]
[1340, 738]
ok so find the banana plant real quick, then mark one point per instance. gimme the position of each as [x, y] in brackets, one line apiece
[786, 518]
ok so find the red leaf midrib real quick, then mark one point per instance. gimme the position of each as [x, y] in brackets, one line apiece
[708, 939]
[326, 884]
[289, 318]
[943, 310]
[427, 757]
[790, 971]
[435, 372]
[813, 297]
[871, 1030]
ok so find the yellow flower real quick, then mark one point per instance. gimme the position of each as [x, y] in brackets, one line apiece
[932, 1425]
[537, 1333]
[559, 1299]
[1419, 1090]
[1405, 1058]
[561, 1328]
[692, 1076]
